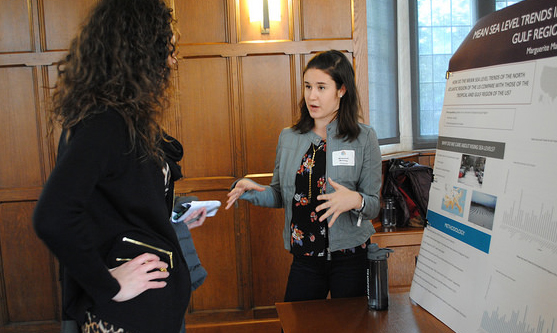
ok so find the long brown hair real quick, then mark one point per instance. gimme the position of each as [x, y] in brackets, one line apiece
[119, 61]
[338, 67]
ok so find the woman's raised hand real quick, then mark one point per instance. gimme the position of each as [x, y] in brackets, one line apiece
[338, 202]
[242, 186]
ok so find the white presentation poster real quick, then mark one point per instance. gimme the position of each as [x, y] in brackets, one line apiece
[488, 258]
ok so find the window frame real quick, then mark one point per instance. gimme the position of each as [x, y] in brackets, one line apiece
[479, 8]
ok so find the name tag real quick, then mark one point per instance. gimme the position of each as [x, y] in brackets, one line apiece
[344, 158]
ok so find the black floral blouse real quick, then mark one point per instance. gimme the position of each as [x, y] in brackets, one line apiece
[308, 236]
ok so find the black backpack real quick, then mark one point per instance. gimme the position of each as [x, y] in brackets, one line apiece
[408, 183]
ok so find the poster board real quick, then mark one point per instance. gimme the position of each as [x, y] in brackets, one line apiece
[488, 258]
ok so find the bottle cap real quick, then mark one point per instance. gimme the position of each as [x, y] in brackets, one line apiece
[374, 252]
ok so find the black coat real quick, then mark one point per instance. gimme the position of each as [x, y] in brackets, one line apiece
[100, 191]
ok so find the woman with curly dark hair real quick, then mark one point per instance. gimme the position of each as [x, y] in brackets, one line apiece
[104, 211]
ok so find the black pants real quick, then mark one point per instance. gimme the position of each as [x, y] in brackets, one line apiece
[313, 278]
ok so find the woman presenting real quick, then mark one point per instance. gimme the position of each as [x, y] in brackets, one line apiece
[327, 177]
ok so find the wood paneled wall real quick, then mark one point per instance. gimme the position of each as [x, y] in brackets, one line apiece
[235, 90]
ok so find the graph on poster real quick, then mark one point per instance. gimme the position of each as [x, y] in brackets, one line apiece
[517, 322]
[537, 223]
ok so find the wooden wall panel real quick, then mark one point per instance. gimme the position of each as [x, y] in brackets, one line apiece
[267, 107]
[14, 26]
[213, 15]
[204, 117]
[216, 246]
[402, 265]
[20, 162]
[31, 294]
[50, 140]
[62, 20]
[325, 19]
[270, 261]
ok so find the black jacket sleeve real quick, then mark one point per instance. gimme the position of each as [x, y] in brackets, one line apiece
[61, 218]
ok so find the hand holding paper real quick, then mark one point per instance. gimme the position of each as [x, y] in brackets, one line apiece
[189, 208]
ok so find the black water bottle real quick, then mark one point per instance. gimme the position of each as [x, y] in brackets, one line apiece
[378, 277]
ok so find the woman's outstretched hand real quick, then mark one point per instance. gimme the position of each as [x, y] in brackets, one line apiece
[338, 202]
[241, 186]
[138, 275]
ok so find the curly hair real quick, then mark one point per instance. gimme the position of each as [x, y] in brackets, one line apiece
[337, 66]
[119, 61]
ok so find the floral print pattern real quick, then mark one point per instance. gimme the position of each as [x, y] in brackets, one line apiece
[301, 199]
[97, 325]
[308, 235]
[297, 235]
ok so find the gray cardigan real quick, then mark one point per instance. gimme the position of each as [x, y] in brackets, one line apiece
[363, 176]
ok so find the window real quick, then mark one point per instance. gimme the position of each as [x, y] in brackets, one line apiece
[438, 27]
[383, 69]
[500, 4]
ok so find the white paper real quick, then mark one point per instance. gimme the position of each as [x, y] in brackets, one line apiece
[212, 207]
